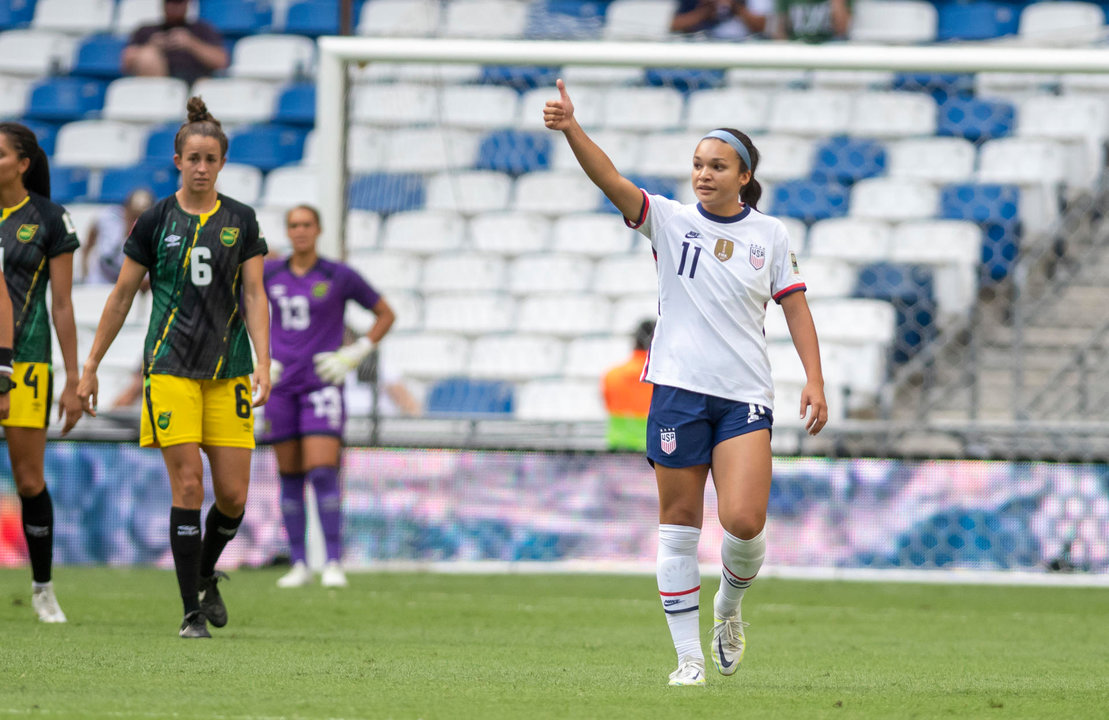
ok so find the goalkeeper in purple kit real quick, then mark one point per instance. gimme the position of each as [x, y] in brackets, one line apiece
[305, 414]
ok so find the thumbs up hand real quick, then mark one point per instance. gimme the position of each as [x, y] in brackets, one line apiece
[559, 114]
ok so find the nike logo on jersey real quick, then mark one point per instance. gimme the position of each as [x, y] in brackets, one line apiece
[693, 234]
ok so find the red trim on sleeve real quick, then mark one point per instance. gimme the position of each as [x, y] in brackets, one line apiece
[642, 213]
[788, 291]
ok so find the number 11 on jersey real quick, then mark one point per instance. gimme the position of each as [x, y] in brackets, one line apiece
[692, 265]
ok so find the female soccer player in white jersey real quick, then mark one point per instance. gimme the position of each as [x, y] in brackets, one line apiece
[719, 262]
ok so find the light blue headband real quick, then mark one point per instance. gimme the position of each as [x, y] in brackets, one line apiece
[734, 142]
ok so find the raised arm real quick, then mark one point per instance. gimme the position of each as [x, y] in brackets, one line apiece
[256, 313]
[111, 320]
[559, 115]
[803, 332]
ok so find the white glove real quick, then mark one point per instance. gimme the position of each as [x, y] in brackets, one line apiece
[276, 370]
[333, 367]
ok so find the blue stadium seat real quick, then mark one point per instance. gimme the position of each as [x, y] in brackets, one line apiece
[911, 291]
[16, 13]
[68, 184]
[974, 119]
[941, 86]
[386, 192]
[565, 19]
[809, 201]
[296, 105]
[520, 77]
[976, 20]
[45, 132]
[996, 209]
[99, 57]
[236, 18]
[267, 146]
[117, 183]
[464, 396]
[66, 98]
[685, 80]
[317, 17]
[159, 145]
[846, 160]
[514, 152]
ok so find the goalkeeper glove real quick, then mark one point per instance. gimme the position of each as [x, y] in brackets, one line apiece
[276, 369]
[333, 367]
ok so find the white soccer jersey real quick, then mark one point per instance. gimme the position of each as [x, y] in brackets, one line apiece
[715, 277]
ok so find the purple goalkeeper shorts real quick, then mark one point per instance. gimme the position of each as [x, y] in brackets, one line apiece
[290, 415]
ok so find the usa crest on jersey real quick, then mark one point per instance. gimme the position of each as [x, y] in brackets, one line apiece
[757, 256]
[668, 440]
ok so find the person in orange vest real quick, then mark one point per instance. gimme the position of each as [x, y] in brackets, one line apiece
[628, 398]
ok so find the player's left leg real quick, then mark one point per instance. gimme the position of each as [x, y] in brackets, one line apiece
[321, 459]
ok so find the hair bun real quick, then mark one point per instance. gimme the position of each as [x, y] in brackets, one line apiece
[198, 111]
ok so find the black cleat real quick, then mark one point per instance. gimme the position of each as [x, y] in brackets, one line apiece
[211, 604]
[194, 626]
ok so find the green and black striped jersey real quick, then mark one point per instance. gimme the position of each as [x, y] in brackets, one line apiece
[196, 323]
[31, 234]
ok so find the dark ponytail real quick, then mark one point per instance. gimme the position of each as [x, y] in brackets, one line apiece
[750, 193]
[36, 178]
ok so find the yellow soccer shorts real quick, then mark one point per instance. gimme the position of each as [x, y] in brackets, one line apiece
[32, 397]
[180, 410]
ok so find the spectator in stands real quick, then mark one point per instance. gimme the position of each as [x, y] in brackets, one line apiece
[204, 254]
[103, 255]
[627, 398]
[37, 242]
[812, 20]
[719, 263]
[722, 19]
[306, 413]
[175, 47]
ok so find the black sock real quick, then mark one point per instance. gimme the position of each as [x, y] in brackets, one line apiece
[38, 529]
[218, 531]
[184, 541]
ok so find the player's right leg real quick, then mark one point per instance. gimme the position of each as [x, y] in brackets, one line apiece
[281, 425]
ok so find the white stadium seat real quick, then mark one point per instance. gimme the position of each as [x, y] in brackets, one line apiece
[744, 109]
[827, 277]
[798, 231]
[14, 93]
[554, 193]
[671, 154]
[85, 17]
[395, 104]
[509, 233]
[423, 232]
[589, 357]
[388, 270]
[35, 53]
[145, 99]
[854, 320]
[515, 357]
[853, 80]
[429, 149]
[643, 108]
[1062, 23]
[850, 239]
[291, 185]
[901, 22]
[425, 355]
[564, 316]
[622, 147]
[366, 148]
[486, 19]
[236, 101]
[470, 314]
[783, 157]
[934, 159]
[271, 221]
[630, 310]
[242, 182]
[469, 193]
[894, 200]
[953, 248]
[811, 112]
[549, 273]
[273, 57]
[478, 107]
[132, 14]
[463, 271]
[400, 18]
[362, 230]
[589, 105]
[625, 274]
[592, 234]
[639, 19]
[99, 144]
[893, 114]
[560, 400]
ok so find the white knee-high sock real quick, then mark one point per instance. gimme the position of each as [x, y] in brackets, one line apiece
[679, 586]
[741, 560]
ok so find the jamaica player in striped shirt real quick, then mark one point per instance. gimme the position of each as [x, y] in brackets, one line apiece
[204, 252]
[37, 243]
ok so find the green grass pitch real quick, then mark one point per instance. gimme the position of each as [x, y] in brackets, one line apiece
[419, 645]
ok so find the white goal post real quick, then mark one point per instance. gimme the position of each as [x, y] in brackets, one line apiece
[336, 53]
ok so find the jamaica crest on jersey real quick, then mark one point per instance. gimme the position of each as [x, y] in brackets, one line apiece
[757, 256]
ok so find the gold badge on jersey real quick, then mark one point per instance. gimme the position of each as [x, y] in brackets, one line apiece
[320, 289]
[229, 235]
[26, 233]
[724, 248]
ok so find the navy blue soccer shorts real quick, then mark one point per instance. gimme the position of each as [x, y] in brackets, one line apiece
[684, 426]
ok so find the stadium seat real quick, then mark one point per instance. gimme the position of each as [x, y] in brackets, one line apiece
[852, 80]
[893, 200]
[296, 105]
[35, 53]
[671, 155]
[564, 316]
[65, 99]
[99, 144]
[767, 78]
[423, 232]
[242, 182]
[395, 104]
[362, 230]
[266, 146]
[560, 400]
[468, 314]
[783, 157]
[974, 119]
[1022, 161]
[638, 19]
[116, 184]
[366, 149]
[237, 100]
[469, 193]
[996, 208]
[1060, 23]
[846, 160]
[630, 310]
[827, 277]
[1014, 87]
[555, 193]
[684, 80]
[480, 107]
[388, 271]
[893, 115]
[98, 56]
[1083, 83]
[14, 92]
[953, 248]
[594, 76]
[273, 57]
[515, 357]
[852, 239]
[909, 288]
[597, 235]
[16, 13]
[900, 22]
[289, 186]
[976, 21]
[1082, 122]
[313, 18]
[548, 273]
[520, 78]
[68, 183]
[468, 397]
[811, 112]
[623, 109]
[747, 110]
[509, 233]
[75, 18]
[131, 14]
[426, 355]
[419, 73]
[158, 145]
[620, 275]
[941, 86]
[588, 358]
[934, 159]
[854, 320]
[400, 18]
[463, 272]
[514, 152]
[386, 192]
[146, 99]
[237, 18]
[565, 20]
[589, 102]
[798, 232]
[810, 201]
[485, 19]
[623, 148]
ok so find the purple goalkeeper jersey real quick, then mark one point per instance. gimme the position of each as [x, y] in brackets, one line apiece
[307, 312]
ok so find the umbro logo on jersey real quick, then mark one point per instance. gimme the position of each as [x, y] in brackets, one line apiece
[173, 240]
[693, 234]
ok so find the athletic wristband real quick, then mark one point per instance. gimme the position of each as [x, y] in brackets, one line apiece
[6, 360]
